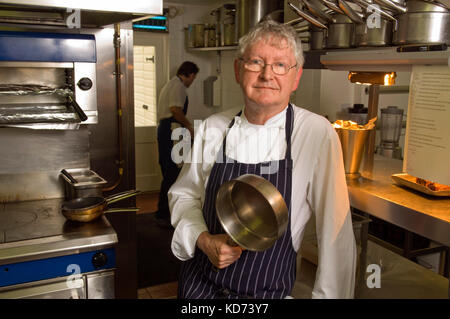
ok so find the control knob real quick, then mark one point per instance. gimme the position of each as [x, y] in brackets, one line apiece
[99, 260]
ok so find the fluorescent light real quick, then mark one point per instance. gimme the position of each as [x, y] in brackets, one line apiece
[151, 27]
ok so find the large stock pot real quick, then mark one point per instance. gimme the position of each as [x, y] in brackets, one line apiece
[421, 22]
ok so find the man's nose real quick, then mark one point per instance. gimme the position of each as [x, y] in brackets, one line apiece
[266, 72]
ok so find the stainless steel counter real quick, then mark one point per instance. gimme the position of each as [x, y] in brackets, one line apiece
[378, 195]
[37, 229]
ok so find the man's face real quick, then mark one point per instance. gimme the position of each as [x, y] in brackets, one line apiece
[187, 80]
[265, 88]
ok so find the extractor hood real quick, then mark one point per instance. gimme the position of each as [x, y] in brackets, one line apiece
[92, 13]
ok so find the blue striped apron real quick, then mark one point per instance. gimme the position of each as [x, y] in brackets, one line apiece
[267, 274]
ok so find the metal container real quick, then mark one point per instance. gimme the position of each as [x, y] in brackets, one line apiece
[422, 22]
[423, 27]
[210, 36]
[318, 40]
[229, 34]
[352, 143]
[250, 12]
[341, 34]
[84, 183]
[189, 38]
[195, 34]
[252, 212]
[373, 37]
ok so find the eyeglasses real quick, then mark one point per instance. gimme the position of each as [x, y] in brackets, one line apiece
[256, 65]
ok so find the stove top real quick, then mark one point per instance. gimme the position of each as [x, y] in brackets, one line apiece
[33, 228]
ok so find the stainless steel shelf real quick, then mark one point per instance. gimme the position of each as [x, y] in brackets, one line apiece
[381, 59]
[379, 196]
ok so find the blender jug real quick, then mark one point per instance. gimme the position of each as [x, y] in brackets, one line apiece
[390, 129]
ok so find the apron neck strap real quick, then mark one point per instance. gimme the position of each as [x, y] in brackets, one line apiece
[288, 132]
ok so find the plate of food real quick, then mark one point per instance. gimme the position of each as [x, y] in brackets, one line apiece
[421, 185]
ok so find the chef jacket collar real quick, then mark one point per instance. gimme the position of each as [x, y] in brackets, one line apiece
[274, 121]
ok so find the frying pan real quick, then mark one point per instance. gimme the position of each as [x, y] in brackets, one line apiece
[85, 209]
[252, 212]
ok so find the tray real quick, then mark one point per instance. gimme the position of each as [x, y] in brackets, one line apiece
[410, 181]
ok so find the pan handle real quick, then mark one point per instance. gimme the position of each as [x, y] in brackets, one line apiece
[126, 209]
[117, 197]
[307, 17]
[70, 177]
[232, 243]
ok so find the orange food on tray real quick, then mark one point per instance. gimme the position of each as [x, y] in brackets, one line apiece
[431, 185]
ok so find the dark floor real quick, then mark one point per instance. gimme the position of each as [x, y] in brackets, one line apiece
[153, 244]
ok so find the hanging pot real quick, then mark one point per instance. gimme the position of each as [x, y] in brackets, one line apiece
[423, 22]
[341, 34]
[367, 34]
[373, 37]
[318, 38]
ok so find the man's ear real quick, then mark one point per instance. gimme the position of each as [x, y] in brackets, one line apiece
[236, 71]
[297, 79]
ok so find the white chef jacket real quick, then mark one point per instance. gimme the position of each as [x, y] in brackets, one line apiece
[318, 186]
[173, 93]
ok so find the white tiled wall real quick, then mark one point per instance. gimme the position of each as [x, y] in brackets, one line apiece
[144, 86]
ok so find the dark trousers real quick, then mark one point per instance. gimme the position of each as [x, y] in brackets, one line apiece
[169, 169]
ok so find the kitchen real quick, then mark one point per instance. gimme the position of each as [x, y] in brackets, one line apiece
[318, 92]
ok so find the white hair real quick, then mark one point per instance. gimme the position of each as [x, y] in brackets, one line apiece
[269, 29]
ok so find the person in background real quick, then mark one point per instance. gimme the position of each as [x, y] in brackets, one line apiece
[302, 158]
[172, 108]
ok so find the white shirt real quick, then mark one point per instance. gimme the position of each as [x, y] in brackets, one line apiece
[318, 186]
[173, 93]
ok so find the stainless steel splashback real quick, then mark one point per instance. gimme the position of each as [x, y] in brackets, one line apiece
[31, 160]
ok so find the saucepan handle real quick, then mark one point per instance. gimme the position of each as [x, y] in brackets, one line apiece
[119, 196]
[69, 176]
[125, 209]
[232, 243]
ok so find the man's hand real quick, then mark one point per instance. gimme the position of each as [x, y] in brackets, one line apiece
[178, 115]
[219, 252]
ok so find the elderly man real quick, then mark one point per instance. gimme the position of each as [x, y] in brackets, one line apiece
[297, 150]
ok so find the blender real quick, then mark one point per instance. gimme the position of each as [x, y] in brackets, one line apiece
[390, 128]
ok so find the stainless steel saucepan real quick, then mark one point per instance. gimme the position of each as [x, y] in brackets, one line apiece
[252, 212]
[420, 22]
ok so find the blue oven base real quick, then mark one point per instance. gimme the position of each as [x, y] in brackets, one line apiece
[23, 272]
